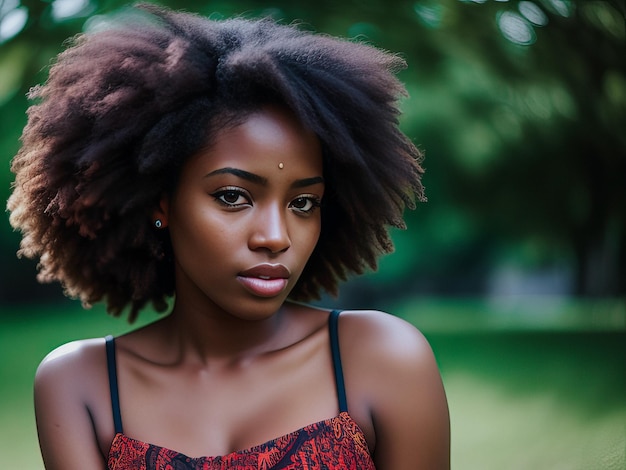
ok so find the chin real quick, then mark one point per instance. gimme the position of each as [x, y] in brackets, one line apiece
[258, 308]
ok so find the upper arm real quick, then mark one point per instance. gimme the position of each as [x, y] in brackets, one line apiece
[67, 435]
[406, 397]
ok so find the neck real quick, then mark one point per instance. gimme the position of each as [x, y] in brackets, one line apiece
[205, 332]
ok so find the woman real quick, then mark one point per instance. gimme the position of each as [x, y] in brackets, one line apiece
[238, 167]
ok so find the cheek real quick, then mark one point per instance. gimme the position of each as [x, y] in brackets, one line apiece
[205, 232]
[310, 234]
[192, 229]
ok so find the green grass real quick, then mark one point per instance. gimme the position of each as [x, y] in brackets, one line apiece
[536, 400]
[529, 398]
[26, 336]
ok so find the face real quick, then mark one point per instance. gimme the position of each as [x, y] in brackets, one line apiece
[245, 217]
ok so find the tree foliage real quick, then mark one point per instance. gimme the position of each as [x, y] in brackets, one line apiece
[520, 106]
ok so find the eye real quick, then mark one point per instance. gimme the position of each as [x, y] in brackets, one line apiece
[232, 197]
[305, 204]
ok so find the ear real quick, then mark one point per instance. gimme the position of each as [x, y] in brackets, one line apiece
[162, 211]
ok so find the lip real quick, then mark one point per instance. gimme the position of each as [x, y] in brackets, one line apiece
[272, 271]
[265, 280]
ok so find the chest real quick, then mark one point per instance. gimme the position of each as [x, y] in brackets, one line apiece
[336, 443]
[215, 411]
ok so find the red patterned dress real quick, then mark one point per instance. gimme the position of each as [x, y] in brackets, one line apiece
[336, 443]
[332, 444]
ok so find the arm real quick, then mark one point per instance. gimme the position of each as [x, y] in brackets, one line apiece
[67, 435]
[405, 393]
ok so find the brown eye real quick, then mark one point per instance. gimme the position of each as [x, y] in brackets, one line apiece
[231, 197]
[305, 204]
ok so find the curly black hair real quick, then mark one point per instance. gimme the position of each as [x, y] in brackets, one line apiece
[124, 107]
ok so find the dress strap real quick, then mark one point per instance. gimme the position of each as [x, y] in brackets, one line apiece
[115, 397]
[333, 323]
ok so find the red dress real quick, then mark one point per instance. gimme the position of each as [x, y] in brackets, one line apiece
[336, 443]
[332, 444]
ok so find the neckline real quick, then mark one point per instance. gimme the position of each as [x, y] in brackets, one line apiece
[292, 437]
[329, 423]
[333, 331]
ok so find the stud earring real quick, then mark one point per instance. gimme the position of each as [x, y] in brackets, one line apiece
[281, 165]
[158, 223]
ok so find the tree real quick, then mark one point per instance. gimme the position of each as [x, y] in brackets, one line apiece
[520, 106]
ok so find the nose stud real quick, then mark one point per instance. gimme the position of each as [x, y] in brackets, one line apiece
[281, 165]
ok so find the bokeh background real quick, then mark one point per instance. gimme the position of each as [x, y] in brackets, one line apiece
[515, 269]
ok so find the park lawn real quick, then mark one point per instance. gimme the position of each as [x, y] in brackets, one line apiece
[518, 399]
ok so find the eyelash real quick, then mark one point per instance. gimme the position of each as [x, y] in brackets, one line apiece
[314, 200]
[219, 197]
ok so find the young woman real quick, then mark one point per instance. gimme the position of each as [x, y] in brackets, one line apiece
[238, 167]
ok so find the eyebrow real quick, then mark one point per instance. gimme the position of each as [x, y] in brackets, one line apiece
[253, 178]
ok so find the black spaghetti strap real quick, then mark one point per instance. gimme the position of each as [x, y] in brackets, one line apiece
[333, 323]
[112, 368]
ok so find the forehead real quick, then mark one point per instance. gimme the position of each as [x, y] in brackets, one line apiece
[268, 140]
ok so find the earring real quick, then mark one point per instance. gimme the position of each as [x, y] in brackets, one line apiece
[158, 223]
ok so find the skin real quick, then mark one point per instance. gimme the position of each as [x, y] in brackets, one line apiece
[230, 368]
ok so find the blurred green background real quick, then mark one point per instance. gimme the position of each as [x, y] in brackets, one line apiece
[515, 269]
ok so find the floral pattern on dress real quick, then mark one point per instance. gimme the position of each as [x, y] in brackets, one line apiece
[332, 444]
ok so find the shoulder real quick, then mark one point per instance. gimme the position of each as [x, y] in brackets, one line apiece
[71, 398]
[74, 373]
[384, 338]
[393, 382]
[71, 359]
[381, 350]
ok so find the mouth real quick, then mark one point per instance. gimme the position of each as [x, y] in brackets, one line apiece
[265, 280]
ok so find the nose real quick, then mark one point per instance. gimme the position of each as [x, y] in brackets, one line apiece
[270, 231]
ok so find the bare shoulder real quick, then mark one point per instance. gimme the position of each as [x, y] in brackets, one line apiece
[381, 351]
[72, 377]
[385, 338]
[392, 375]
[70, 360]
[70, 398]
